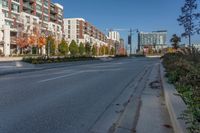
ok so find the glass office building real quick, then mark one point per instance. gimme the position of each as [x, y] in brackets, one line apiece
[155, 39]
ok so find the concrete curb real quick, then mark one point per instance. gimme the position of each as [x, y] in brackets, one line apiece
[174, 103]
[154, 56]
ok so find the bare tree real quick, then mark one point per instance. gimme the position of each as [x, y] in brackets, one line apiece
[188, 19]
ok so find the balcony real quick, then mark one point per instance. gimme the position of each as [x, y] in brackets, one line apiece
[53, 18]
[53, 11]
[28, 7]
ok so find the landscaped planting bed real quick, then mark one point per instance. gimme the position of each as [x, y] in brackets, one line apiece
[183, 70]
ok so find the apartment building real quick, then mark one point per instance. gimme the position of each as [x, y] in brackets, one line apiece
[114, 40]
[114, 35]
[24, 15]
[82, 31]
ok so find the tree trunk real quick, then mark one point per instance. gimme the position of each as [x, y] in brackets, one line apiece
[190, 41]
[31, 50]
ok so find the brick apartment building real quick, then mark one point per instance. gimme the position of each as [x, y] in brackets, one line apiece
[48, 15]
[82, 31]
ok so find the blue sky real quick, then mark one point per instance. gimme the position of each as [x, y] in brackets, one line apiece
[146, 15]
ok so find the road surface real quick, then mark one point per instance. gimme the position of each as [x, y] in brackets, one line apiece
[75, 99]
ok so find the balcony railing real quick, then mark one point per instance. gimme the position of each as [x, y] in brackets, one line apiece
[53, 17]
[30, 1]
[13, 40]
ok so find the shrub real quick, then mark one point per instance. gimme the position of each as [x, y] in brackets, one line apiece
[43, 60]
[63, 47]
[81, 49]
[73, 48]
[88, 49]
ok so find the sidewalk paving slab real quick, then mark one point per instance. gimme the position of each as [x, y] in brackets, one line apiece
[153, 116]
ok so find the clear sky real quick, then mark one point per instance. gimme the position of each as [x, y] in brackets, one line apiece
[146, 15]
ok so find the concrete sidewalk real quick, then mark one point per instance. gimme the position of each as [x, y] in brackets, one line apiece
[9, 59]
[153, 115]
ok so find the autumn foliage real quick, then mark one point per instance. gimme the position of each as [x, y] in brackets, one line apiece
[35, 39]
[22, 40]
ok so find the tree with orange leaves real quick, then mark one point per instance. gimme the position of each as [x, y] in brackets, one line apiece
[22, 41]
[31, 40]
[36, 39]
[41, 41]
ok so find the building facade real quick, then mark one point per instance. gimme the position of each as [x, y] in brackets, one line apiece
[79, 30]
[122, 49]
[195, 45]
[155, 40]
[24, 15]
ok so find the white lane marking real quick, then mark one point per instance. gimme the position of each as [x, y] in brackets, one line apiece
[64, 76]
[76, 73]
[103, 70]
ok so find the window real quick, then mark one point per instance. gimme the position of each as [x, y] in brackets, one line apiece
[77, 22]
[16, 0]
[6, 14]
[5, 3]
[58, 28]
[8, 23]
[39, 15]
[40, 1]
[69, 21]
[38, 7]
[46, 11]
[28, 19]
[14, 7]
[46, 3]
[35, 21]
[46, 18]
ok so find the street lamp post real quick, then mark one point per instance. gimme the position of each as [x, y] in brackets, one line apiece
[48, 48]
[130, 41]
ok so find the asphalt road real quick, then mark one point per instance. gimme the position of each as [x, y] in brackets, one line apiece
[71, 99]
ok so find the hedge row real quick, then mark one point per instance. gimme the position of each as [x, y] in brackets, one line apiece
[44, 60]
